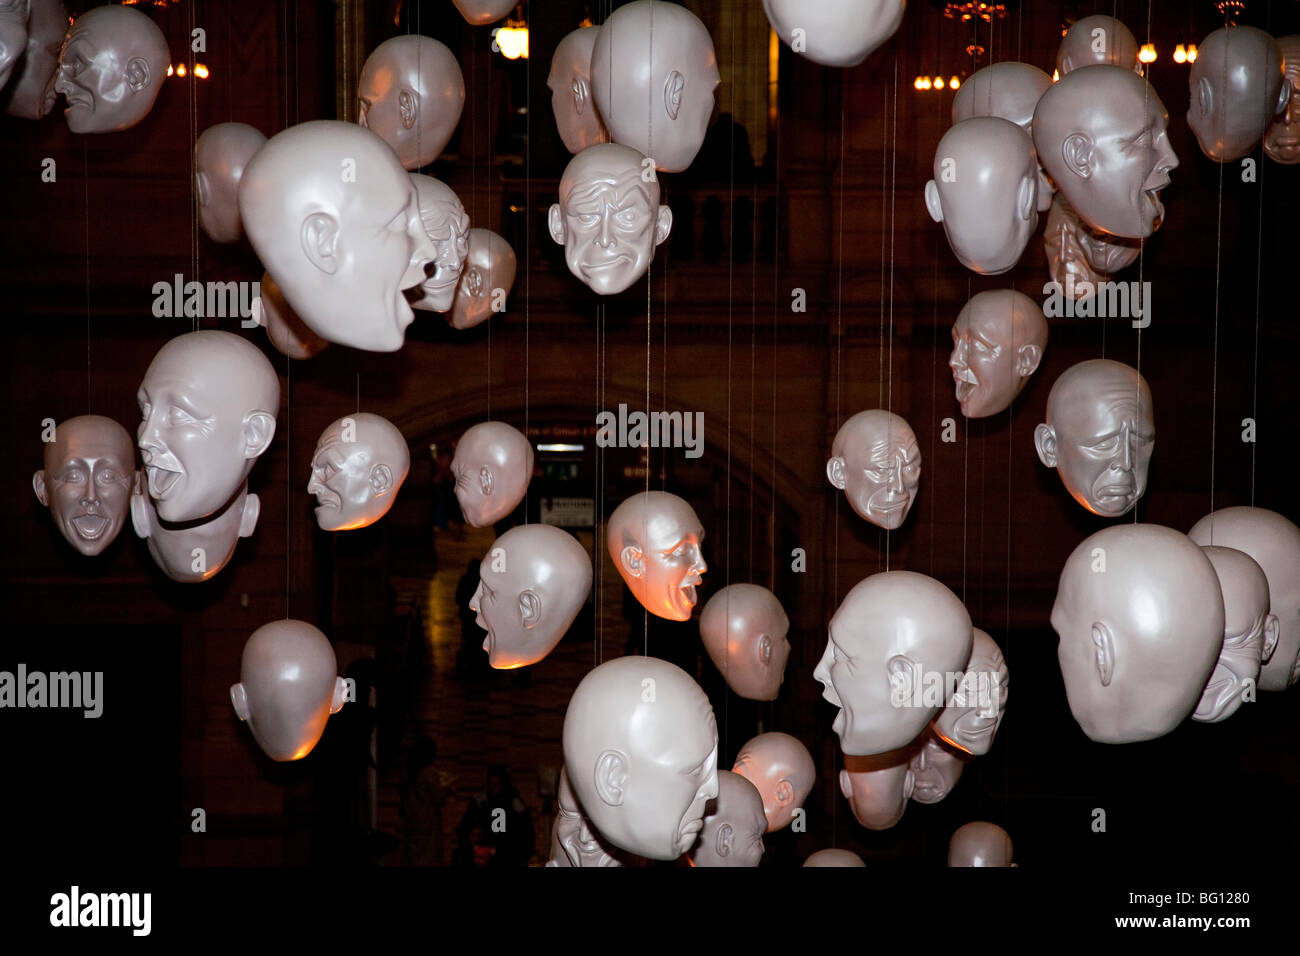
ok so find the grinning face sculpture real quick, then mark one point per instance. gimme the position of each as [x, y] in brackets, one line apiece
[876, 461]
[87, 480]
[448, 229]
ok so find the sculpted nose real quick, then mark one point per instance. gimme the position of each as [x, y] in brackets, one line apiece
[605, 237]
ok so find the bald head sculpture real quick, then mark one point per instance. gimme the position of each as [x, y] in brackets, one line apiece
[878, 787]
[572, 102]
[655, 540]
[744, 629]
[359, 465]
[86, 481]
[1139, 614]
[285, 330]
[641, 750]
[890, 631]
[1079, 257]
[734, 825]
[1098, 39]
[935, 769]
[208, 403]
[985, 192]
[447, 226]
[492, 466]
[1237, 88]
[876, 461]
[997, 343]
[1008, 90]
[653, 72]
[980, 844]
[1099, 435]
[1102, 135]
[18, 42]
[782, 770]
[194, 551]
[1274, 542]
[288, 687]
[486, 280]
[220, 155]
[835, 32]
[411, 94]
[1250, 634]
[1282, 141]
[608, 219]
[111, 68]
[533, 581]
[336, 219]
[831, 857]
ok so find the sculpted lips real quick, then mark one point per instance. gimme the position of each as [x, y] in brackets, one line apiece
[589, 267]
[89, 526]
[161, 480]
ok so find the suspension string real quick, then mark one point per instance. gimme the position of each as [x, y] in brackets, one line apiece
[839, 390]
[893, 190]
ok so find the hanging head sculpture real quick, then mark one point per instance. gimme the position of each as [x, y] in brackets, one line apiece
[655, 540]
[876, 461]
[1282, 141]
[1237, 87]
[86, 481]
[572, 102]
[411, 94]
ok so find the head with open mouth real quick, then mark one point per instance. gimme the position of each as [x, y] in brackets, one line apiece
[889, 632]
[493, 465]
[1102, 135]
[608, 219]
[360, 463]
[532, 583]
[655, 542]
[783, 771]
[447, 226]
[733, 826]
[997, 343]
[1282, 141]
[1099, 435]
[87, 480]
[641, 748]
[1249, 636]
[1238, 87]
[935, 769]
[876, 461]
[195, 551]
[208, 403]
[112, 65]
[974, 711]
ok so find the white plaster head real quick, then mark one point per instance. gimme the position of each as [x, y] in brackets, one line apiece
[485, 282]
[1282, 140]
[782, 770]
[493, 465]
[835, 32]
[997, 343]
[655, 540]
[1250, 634]
[220, 155]
[357, 469]
[447, 226]
[733, 825]
[876, 461]
[980, 844]
[834, 858]
[411, 94]
[970, 719]
[878, 787]
[572, 101]
[1098, 39]
[194, 551]
[744, 629]
[287, 332]
[935, 769]
[1238, 87]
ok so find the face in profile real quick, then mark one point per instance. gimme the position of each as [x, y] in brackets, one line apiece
[935, 771]
[87, 480]
[656, 543]
[1282, 140]
[572, 103]
[359, 465]
[1250, 633]
[111, 67]
[608, 219]
[878, 466]
[447, 227]
[997, 343]
[974, 713]
[392, 253]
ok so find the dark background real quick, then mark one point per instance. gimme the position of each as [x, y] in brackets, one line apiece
[834, 207]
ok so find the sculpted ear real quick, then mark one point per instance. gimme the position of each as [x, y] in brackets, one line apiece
[674, 84]
[486, 481]
[764, 649]
[137, 74]
[530, 607]
[846, 785]
[1283, 97]
[1103, 643]
[784, 793]
[1027, 197]
[408, 107]
[1045, 444]
[835, 472]
[259, 429]
[932, 204]
[319, 235]
[140, 515]
[239, 697]
[903, 678]
[381, 479]
[247, 520]
[1076, 151]
[722, 842]
[631, 558]
[579, 93]
[1027, 360]
[38, 485]
[1272, 630]
[663, 224]
[611, 777]
[555, 222]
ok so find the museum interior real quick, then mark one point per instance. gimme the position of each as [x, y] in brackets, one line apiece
[804, 278]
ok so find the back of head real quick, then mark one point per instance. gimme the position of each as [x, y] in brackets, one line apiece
[1237, 86]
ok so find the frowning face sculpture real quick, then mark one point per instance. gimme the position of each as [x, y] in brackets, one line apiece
[876, 461]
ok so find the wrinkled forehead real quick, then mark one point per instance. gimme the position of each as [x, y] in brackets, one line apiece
[621, 174]
[13, 10]
[882, 439]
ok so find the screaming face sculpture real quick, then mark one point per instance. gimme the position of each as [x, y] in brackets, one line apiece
[744, 627]
[1282, 141]
[359, 466]
[782, 771]
[1099, 435]
[935, 770]
[44, 27]
[1274, 542]
[1249, 637]
[733, 831]
[197, 550]
[486, 280]
[1140, 617]
[641, 748]
[13, 36]
[878, 787]
[608, 219]
[997, 343]
[835, 32]
[891, 630]
[447, 226]
[87, 479]
[653, 73]
[334, 217]
[569, 81]
[876, 461]
[208, 403]
[655, 542]
[1079, 257]
[532, 583]
[1237, 88]
[288, 687]
[1096, 40]
[974, 712]
[980, 844]
[411, 94]
[985, 192]
[220, 155]
[112, 65]
[492, 466]
[1102, 135]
